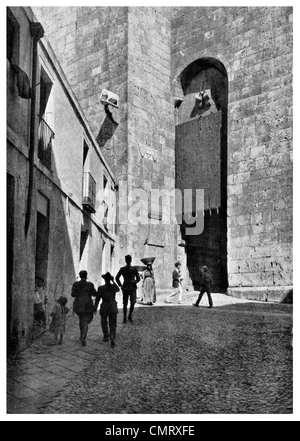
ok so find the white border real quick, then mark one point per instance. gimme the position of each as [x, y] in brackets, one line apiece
[136, 418]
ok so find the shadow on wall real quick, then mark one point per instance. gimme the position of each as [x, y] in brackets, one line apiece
[258, 307]
[64, 244]
[107, 131]
[55, 260]
[206, 249]
[288, 298]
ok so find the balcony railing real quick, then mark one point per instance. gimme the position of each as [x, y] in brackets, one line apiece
[45, 137]
[89, 192]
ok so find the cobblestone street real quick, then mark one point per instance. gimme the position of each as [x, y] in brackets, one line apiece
[233, 359]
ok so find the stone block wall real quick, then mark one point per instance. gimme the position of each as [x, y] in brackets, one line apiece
[91, 45]
[255, 46]
[21, 252]
[151, 153]
[23, 274]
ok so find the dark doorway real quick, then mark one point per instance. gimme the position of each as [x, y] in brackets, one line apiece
[42, 238]
[83, 240]
[112, 256]
[85, 152]
[201, 163]
[10, 203]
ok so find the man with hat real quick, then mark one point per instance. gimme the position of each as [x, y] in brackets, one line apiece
[109, 308]
[83, 306]
[131, 278]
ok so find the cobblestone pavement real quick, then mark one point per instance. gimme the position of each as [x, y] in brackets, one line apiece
[233, 359]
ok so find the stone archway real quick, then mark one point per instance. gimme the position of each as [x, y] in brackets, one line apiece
[201, 163]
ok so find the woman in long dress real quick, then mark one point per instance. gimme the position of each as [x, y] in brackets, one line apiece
[149, 285]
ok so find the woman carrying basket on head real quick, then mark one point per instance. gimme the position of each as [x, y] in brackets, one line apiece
[149, 285]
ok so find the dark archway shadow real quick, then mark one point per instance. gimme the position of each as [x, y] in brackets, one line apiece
[196, 66]
[107, 131]
[288, 299]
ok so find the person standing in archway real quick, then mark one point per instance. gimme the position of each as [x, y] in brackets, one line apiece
[83, 306]
[131, 278]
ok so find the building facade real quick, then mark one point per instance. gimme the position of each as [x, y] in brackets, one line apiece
[127, 51]
[208, 90]
[61, 200]
[204, 101]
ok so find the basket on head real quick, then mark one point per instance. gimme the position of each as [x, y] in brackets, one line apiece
[148, 260]
[140, 268]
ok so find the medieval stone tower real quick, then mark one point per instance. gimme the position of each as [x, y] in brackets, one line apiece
[204, 102]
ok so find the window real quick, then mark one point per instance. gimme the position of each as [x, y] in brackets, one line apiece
[89, 192]
[46, 134]
[45, 92]
[88, 184]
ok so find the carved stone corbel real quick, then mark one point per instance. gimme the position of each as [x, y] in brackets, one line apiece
[148, 153]
[36, 30]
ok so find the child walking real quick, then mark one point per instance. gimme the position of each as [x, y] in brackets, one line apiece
[59, 318]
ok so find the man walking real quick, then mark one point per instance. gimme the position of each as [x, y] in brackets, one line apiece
[109, 308]
[131, 278]
[83, 306]
[205, 286]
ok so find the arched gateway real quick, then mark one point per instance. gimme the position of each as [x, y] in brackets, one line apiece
[201, 163]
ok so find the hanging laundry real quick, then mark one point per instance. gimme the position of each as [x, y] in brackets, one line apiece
[23, 83]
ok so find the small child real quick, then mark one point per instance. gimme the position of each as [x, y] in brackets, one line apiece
[58, 323]
[205, 286]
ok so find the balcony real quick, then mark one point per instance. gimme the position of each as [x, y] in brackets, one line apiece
[89, 192]
[45, 137]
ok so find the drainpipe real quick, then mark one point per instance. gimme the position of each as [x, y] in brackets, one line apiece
[37, 32]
